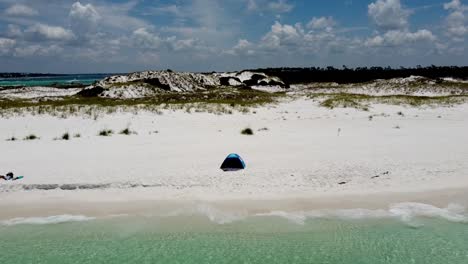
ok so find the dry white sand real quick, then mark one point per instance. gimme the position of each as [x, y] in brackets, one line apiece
[305, 153]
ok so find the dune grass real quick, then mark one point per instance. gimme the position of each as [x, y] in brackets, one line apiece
[31, 137]
[106, 133]
[247, 131]
[363, 102]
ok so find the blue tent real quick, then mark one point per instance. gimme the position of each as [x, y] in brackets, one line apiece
[233, 162]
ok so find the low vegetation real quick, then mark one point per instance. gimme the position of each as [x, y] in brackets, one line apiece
[105, 132]
[215, 100]
[127, 132]
[31, 137]
[247, 131]
[66, 136]
[363, 102]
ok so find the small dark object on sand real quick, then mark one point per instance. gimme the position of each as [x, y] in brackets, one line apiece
[376, 176]
[342, 183]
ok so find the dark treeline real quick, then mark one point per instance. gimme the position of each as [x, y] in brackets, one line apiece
[362, 74]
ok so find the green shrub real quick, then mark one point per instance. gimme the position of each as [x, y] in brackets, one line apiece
[247, 131]
[31, 137]
[127, 132]
[66, 136]
[106, 132]
[77, 135]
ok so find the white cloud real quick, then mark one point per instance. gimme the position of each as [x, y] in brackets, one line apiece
[322, 23]
[388, 14]
[282, 35]
[456, 21]
[243, 47]
[37, 50]
[46, 32]
[20, 10]
[145, 39]
[5, 45]
[455, 4]
[84, 12]
[281, 6]
[83, 18]
[395, 38]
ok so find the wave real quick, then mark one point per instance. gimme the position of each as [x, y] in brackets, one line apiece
[407, 213]
[56, 219]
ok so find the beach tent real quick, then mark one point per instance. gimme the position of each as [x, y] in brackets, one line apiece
[233, 162]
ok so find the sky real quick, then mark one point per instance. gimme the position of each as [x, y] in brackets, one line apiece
[68, 36]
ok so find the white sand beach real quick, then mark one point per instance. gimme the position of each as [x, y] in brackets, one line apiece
[299, 150]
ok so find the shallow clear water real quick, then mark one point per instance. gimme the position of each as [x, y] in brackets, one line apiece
[255, 240]
[85, 79]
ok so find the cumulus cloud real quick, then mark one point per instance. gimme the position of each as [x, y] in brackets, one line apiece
[84, 13]
[144, 38]
[20, 10]
[243, 47]
[456, 22]
[84, 20]
[46, 32]
[282, 35]
[321, 23]
[5, 45]
[394, 38]
[388, 14]
[280, 6]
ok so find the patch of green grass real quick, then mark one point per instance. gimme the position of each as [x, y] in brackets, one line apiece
[105, 132]
[247, 131]
[31, 137]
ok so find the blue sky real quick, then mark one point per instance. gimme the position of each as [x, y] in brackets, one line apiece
[218, 35]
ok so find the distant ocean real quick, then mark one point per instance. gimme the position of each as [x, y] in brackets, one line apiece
[263, 239]
[85, 79]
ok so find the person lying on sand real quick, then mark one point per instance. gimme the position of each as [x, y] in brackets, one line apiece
[9, 176]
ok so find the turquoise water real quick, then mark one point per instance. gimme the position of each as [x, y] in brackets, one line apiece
[258, 240]
[85, 79]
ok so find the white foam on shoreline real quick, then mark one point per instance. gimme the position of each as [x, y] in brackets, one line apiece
[405, 212]
[408, 213]
[56, 219]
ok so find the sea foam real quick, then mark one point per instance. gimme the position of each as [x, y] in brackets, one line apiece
[56, 219]
[407, 213]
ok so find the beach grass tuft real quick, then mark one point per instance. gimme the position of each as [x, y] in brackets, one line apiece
[66, 136]
[105, 133]
[127, 132]
[247, 131]
[31, 137]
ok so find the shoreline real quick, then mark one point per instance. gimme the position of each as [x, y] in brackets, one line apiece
[54, 206]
